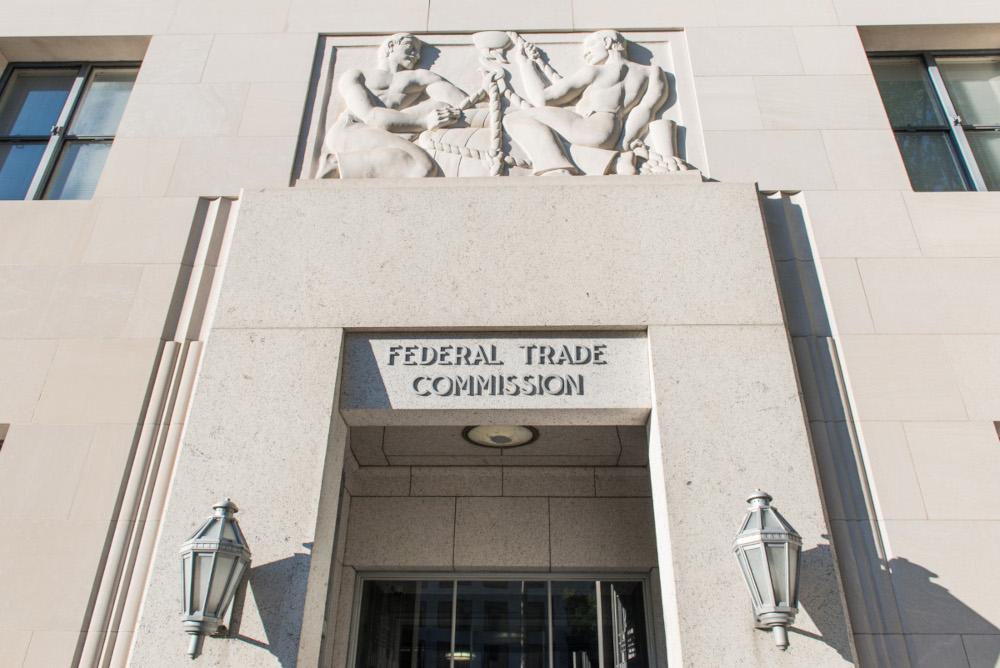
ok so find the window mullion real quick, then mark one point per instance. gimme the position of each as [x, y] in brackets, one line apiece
[56, 140]
[955, 126]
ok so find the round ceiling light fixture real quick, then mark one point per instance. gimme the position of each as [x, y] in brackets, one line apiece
[499, 435]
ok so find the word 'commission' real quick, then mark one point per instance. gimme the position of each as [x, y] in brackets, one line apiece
[498, 384]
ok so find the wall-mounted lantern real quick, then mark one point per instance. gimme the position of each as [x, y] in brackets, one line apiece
[768, 548]
[214, 561]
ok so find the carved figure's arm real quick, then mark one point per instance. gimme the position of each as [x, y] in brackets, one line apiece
[638, 119]
[557, 92]
[442, 90]
[359, 101]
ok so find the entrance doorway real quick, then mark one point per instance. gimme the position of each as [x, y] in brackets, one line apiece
[502, 623]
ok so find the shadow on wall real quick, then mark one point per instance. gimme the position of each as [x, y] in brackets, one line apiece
[901, 617]
[279, 590]
[814, 597]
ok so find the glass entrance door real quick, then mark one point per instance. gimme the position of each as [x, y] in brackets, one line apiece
[494, 623]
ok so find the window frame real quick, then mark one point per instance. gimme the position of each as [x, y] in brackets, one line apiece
[58, 135]
[534, 576]
[956, 126]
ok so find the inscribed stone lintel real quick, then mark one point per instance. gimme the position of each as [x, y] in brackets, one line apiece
[544, 378]
[494, 103]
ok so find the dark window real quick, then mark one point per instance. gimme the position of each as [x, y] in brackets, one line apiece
[502, 624]
[56, 128]
[945, 113]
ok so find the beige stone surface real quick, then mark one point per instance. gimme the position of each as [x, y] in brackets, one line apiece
[138, 167]
[273, 110]
[956, 224]
[638, 251]
[14, 646]
[846, 295]
[900, 12]
[860, 224]
[140, 230]
[399, 533]
[155, 301]
[728, 103]
[379, 481]
[95, 496]
[548, 481]
[266, 57]
[891, 464]
[616, 534]
[51, 648]
[735, 51]
[902, 378]
[621, 481]
[958, 465]
[775, 12]
[175, 59]
[184, 110]
[493, 534]
[45, 233]
[25, 365]
[819, 102]
[975, 359]
[775, 159]
[457, 481]
[83, 291]
[42, 470]
[831, 50]
[943, 561]
[230, 16]
[865, 159]
[98, 381]
[378, 16]
[596, 14]
[227, 165]
[445, 15]
[933, 295]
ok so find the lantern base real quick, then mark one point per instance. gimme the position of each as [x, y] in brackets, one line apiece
[194, 647]
[780, 634]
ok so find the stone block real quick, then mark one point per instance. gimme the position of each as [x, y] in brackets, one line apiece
[548, 481]
[24, 365]
[975, 359]
[184, 110]
[51, 648]
[896, 485]
[820, 103]
[457, 481]
[273, 110]
[366, 444]
[410, 532]
[91, 301]
[775, 159]
[846, 294]
[230, 16]
[775, 12]
[878, 649]
[982, 650]
[379, 481]
[272, 58]
[728, 103]
[865, 159]
[432, 441]
[635, 446]
[622, 481]
[907, 12]
[934, 651]
[933, 296]
[228, 165]
[956, 224]
[25, 291]
[938, 575]
[596, 15]
[901, 378]
[53, 232]
[582, 441]
[141, 230]
[36, 453]
[443, 460]
[867, 585]
[502, 533]
[719, 266]
[860, 224]
[138, 167]
[172, 59]
[743, 51]
[831, 50]
[157, 301]
[378, 16]
[602, 533]
[103, 473]
[14, 646]
[958, 465]
[446, 15]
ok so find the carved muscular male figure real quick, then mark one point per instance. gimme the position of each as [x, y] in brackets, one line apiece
[369, 138]
[615, 101]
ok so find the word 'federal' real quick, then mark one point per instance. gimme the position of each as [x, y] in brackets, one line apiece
[487, 355]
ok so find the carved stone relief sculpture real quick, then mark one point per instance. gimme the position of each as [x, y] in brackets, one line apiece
[400, 120]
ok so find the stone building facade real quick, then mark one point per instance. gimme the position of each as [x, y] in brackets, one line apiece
[699, 248]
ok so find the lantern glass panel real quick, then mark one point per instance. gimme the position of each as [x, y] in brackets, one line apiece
[234, 582]
[223, 568]
[771, 522]
[186, 565]
[793, 572]
[761, 575]
[777, 562]
[228, 533]
[199, 583]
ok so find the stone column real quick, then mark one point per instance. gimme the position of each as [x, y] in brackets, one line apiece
[727, 417]
[265, 431]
